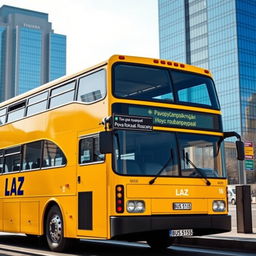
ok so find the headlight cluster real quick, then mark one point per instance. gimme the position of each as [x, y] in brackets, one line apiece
[219, 206]
[135, 206]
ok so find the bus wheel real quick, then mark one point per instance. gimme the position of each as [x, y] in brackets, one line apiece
[54, 231]
[159, 244]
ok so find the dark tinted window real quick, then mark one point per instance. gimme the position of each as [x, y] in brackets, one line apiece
[1, 164]
[142, 83]
[12, 159]
[165, 85]
[52, 155]
[32, 154]
[89, 150]
[35, 155]
[145, 153]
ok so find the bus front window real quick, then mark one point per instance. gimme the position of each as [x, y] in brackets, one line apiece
[145, 153]
[149, 83]
[203, 152]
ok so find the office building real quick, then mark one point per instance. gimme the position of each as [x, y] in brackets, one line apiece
[219, 35]
[31, 53]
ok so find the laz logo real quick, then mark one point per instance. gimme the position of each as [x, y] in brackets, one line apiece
[182, 192]
[14, 187]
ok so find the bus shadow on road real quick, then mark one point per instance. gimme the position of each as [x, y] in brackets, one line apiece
[83, 247]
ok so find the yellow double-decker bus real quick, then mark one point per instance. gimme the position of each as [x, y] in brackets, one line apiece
[130, 149]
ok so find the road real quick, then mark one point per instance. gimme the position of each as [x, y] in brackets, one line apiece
[20, 245]
[232, 212]
[13, 245]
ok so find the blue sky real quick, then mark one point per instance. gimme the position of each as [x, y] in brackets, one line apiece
[96, 29]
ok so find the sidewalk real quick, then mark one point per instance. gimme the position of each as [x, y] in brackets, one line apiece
[230, 240]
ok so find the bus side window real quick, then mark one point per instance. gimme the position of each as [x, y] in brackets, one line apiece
[1, 164]
[12, 160]
[92, 87]
[32, 155]
[2, 116]
[89, 150]
[52, 155]
[37, 103]
[62, 94]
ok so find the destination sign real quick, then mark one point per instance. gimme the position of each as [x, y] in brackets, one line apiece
[172, 117]
[132, 122]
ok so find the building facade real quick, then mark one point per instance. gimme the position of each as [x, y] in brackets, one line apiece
[219, 35]
[31, 53]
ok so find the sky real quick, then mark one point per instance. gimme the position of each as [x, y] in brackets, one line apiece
[97, 29]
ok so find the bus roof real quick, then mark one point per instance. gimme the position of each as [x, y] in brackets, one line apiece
[111, 60]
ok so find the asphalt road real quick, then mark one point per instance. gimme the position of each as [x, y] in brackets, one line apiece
[232, 212]
[21, 246]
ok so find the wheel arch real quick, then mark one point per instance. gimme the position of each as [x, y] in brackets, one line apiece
[49, 204]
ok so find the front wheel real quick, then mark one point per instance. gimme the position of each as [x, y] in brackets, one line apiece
[54, 230]
[159, 244]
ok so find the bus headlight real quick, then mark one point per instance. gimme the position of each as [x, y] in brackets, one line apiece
[219, 206]
[135, 206]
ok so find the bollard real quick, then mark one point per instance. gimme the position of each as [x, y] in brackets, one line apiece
[243, 209]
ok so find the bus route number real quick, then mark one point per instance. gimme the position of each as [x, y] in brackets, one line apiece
[14, 187]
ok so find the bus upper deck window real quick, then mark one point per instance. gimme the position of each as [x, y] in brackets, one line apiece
[92, 87]
[142, 83]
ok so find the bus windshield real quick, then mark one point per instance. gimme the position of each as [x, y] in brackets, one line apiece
[150, 83]
[146, 153]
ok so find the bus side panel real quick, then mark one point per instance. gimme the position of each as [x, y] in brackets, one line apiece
[1, 214]
[29, 217]
[11, 212]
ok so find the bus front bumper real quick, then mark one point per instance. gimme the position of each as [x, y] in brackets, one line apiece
[123, 227]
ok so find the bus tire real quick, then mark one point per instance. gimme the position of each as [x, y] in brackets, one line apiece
[54, 231]
[159, 244]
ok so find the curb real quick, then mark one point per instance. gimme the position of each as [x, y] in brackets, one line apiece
[235, 244]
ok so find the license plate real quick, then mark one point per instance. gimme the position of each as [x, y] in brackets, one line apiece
[182, 206]
[180, 232]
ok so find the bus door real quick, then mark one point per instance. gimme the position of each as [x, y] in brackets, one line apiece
[91, 188]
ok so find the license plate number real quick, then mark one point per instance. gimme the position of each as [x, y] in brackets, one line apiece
[180, 232]
[182, 206]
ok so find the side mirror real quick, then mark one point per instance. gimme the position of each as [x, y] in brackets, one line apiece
[240, 150]
[106, 142]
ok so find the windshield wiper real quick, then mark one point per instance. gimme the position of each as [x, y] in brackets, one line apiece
[162, 169]
[208, 183]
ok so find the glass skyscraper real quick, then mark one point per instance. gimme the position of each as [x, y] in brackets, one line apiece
[31, 53]
[219, 35]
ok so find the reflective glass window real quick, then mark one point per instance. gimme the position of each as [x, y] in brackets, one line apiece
[38, 98]
[62, 99]
[63, 88]
[62, 94]
[36, 108]
[92, 87]
[16, 114]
